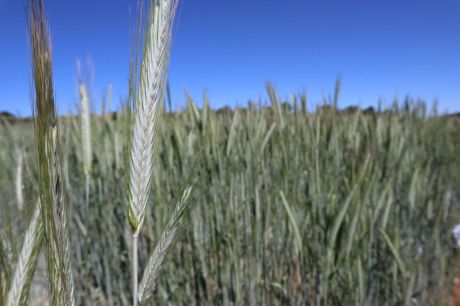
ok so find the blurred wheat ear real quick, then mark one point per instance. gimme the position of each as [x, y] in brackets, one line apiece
[19, 169]
[27, 262]
[52, 198]
[86, 139]
[149, 66]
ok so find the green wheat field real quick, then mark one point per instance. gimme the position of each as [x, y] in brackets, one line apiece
[294, 207]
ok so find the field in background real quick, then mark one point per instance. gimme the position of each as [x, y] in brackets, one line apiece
[293, 207]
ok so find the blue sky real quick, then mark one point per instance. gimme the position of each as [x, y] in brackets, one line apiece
[380, 49]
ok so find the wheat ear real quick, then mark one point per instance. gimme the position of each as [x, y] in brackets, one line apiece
[52, 199]
[19, 291]
[161, 249]
[19, 167]
[86, 130]
[86, 137]
[147, 104]
[147, 96]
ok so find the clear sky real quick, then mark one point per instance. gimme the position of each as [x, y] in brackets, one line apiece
[380, 49]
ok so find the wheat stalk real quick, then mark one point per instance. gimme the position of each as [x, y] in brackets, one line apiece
[27, 261]
[147, 99]
[59, 203]
[52, 199]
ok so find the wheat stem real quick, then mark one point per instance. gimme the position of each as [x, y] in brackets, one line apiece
[135, 270]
